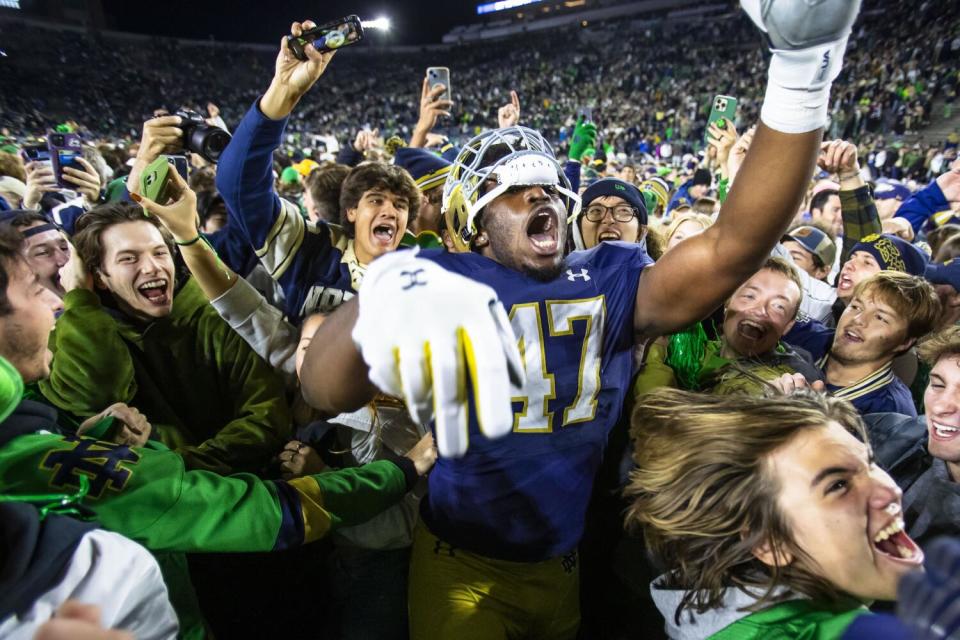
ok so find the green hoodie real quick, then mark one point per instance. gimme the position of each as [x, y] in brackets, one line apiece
[204, 390]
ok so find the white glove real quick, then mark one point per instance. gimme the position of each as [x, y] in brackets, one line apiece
[808, 39]
[425, 331]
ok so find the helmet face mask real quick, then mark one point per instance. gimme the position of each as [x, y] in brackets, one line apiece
[511, 157]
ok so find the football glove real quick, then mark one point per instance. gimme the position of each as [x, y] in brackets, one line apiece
[426, 334]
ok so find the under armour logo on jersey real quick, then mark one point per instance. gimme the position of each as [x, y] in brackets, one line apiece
[572, 277]
[824, 66]
[413, 279]
[569, 562]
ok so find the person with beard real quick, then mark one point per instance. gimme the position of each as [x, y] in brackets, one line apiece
[749, 352]
[133, 331]
[887, 314]
[522, 394]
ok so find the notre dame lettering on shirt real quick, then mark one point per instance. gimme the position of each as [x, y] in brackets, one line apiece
[101, 462]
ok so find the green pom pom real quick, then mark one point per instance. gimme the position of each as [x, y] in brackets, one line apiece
[685, 355]
[11, 389]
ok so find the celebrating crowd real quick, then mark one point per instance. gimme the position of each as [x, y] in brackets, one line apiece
[256, 381]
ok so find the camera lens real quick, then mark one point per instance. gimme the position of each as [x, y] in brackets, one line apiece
[214, 143]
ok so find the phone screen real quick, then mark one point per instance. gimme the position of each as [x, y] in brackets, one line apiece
[68, 158]
[181, 164]
[329, 37]
[36, 153]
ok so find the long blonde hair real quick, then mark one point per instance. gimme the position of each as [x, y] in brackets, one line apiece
[704, 497]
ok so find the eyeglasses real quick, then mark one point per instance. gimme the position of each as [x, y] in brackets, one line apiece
[621, 212]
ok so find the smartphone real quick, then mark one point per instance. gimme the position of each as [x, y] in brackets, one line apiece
[586, 113]
[35, 153]
[156, 181]
[328, 37]
[724, 108]
[181, 164]
[64, 150]
[439, 75]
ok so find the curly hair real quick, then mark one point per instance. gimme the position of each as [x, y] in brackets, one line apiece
[371, 175]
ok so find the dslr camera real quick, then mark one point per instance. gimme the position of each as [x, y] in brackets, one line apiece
[200, 137]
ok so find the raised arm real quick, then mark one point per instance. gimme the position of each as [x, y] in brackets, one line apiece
[934, 198]
[769, 187]
[857, 207]
[245, 173]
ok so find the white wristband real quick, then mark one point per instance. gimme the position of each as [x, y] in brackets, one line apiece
[798, 87]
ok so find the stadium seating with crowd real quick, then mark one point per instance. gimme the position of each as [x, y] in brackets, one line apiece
[641, 328]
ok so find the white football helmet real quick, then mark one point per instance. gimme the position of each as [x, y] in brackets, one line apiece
[525, 159]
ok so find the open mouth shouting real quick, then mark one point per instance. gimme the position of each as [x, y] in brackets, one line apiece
[845, 283]
[543, 231]
[156, 291]
[751, 330]
[893, 543]
[610, 233]
[384, 234]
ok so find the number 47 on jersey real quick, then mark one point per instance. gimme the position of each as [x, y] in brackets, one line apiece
[562, 317]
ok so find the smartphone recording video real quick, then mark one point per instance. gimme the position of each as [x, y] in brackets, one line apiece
[64, 149]
[328, 37]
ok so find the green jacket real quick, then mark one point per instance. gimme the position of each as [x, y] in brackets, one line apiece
[204, 390]
[793, 620]
[147, 494]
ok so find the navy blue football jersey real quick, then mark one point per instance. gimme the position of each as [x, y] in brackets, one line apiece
[524, 496]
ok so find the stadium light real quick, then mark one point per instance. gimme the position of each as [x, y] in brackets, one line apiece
[382, 23]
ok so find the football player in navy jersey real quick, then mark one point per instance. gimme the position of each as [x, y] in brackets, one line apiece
[519, 358]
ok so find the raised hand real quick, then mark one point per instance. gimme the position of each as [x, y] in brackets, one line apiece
[808, 40]
[583, 140]
[40, 180]
[292, 78]
[86, 181]
[509, 114]
[739, 152]
[839, 157]
[722, 139]
[160, 135]
[180, 214]
[431, 108]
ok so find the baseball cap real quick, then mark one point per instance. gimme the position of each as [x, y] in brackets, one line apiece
[816, 242]
[887, 189]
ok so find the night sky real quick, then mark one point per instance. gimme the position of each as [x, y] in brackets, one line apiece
[264, 21]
